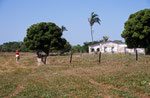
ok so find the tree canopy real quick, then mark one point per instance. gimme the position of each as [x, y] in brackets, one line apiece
[137, 30]
[45, 37]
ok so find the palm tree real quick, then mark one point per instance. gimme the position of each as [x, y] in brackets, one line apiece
[105, 38]
[63, 29]
[93, 19]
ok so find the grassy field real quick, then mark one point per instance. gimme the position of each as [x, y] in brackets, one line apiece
[117, 76]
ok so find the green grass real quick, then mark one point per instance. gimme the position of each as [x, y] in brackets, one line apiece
[118, 75]
[122, 93]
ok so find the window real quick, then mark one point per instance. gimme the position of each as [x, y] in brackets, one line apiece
[97, 49]
[112, 48]
[92, 49]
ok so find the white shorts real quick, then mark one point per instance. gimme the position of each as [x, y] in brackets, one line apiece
[17, 56]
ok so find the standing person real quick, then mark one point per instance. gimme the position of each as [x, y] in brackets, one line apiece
[17, 55]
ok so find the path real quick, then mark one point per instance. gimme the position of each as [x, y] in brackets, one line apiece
[7, 62]
[16, 91]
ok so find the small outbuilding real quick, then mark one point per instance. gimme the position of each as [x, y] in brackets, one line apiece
[113, 47]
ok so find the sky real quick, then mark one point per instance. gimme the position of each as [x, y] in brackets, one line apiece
[18, 15]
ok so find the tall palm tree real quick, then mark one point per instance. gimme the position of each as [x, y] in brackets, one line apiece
[93, 19]
[63, 28]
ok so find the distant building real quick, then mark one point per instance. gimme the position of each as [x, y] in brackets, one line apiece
[113, 47]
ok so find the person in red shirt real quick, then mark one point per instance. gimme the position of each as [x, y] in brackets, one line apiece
[17, 55]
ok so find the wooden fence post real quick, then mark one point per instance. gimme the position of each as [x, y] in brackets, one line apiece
[80, 53]
[71, 57]
[99, 57]
[136, 55]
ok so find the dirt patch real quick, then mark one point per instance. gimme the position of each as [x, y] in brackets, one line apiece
[7, 62]
[105, 88]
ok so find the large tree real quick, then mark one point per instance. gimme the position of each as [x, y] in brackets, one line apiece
[44, 37]
[137, 30]
[93, 19]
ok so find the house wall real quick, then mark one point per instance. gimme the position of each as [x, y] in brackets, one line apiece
[113, 47]
[139, 50]
[95, 47]
[108, 47]
[122, 48]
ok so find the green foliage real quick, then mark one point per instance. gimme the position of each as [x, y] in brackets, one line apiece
[67, 47]
[13, 46]
[137, 30]
[93, 19]
[118, 41]
[143, 83]
[1, 48]
[44, 37]
[105, 38]
[63, 28]
[76, 49]
[23, 48]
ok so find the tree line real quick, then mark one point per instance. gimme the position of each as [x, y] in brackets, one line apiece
[20, 46]
[13, 46]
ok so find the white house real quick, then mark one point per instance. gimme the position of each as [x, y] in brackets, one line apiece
[113, 47]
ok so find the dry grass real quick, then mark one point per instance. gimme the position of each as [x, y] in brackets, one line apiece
[117, 76]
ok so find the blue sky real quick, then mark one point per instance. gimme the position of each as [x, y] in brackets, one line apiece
[18, 15]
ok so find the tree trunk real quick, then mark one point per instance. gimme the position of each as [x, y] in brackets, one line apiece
[41, 58]
[44, 59]
[91, 34]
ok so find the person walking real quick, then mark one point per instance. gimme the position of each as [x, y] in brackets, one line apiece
[17, 55]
